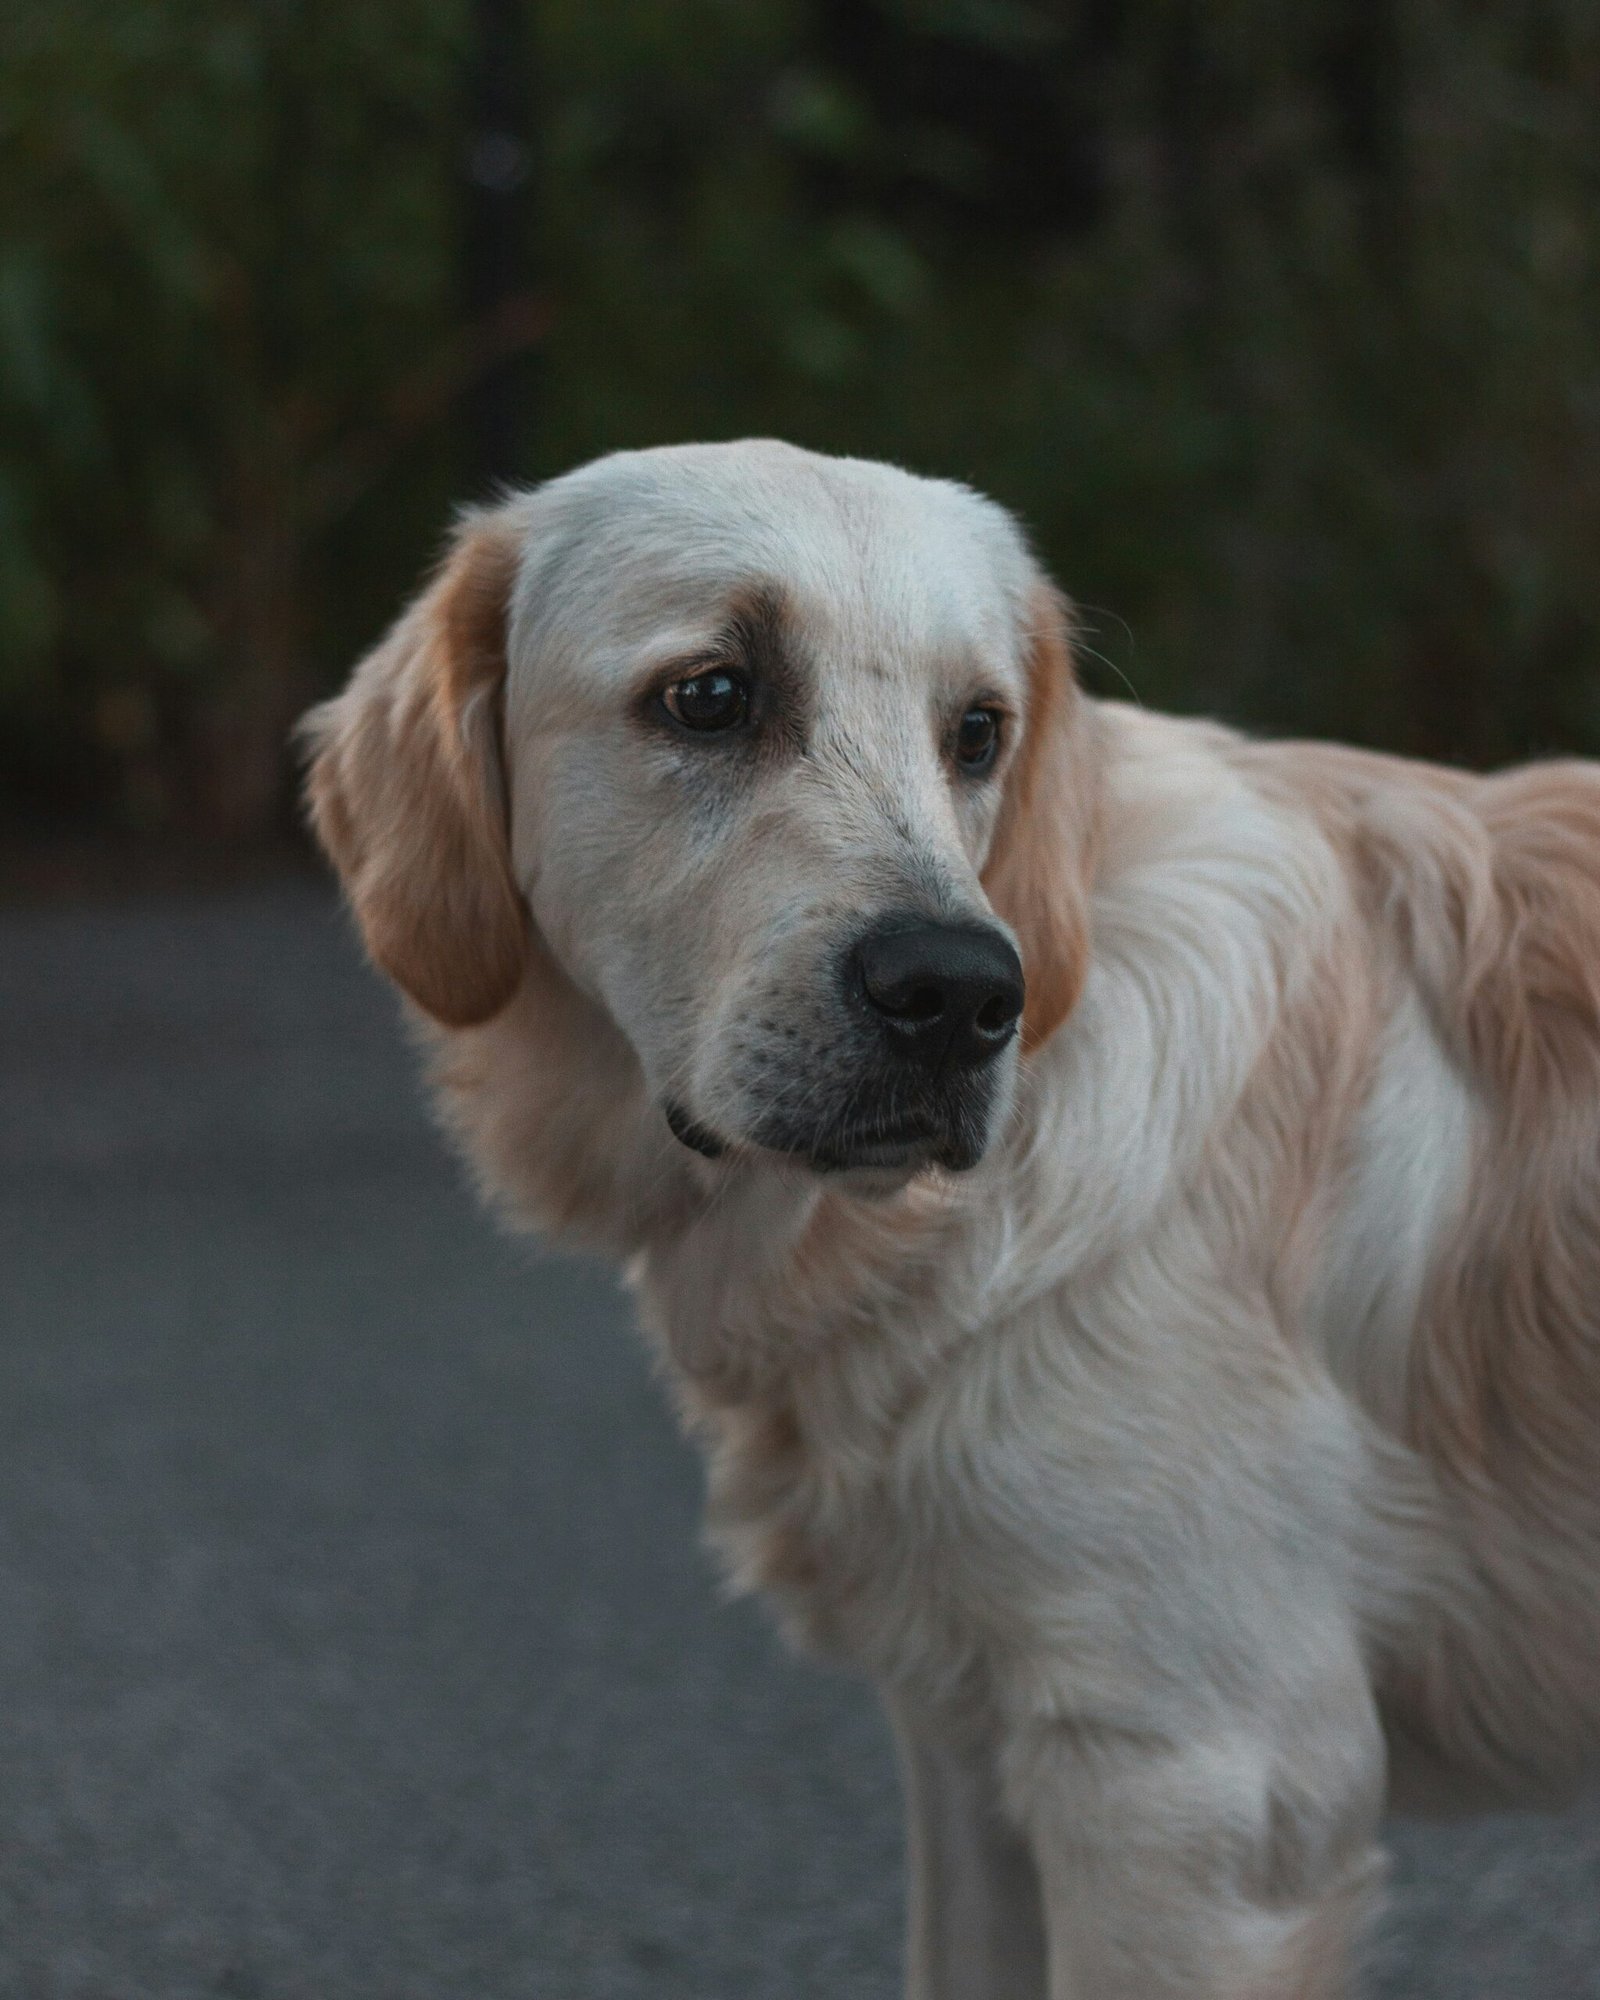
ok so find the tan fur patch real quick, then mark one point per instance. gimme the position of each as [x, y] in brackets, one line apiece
[1037, 871]
[1503, 922]
[405, 793]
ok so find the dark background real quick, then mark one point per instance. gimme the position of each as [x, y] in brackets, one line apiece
[354, 1642]
[1277, 324]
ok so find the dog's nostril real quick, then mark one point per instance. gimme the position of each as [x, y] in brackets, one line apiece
[995, 1016]
[922, 1003]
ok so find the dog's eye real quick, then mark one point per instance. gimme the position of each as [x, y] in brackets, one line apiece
[715, 699]
[977, 740]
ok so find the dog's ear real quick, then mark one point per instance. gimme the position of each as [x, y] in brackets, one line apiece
[406, 789]
[1037, 872]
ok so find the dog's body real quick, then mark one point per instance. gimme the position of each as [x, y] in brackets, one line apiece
[1188, 1418]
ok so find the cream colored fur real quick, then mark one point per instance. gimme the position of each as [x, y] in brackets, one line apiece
[1222, 1442]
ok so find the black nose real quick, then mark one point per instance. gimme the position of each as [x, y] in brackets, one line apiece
[949, 994]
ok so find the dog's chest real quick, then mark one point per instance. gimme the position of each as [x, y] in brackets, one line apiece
[816, 1386]
[826, 1501]
[966, 1500]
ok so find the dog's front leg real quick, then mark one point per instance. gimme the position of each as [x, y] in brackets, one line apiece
[974, 1926]
[1223, 1867]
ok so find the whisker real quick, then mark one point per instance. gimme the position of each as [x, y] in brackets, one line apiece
[1081, 644]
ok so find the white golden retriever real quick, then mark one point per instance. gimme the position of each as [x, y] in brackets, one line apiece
[1118, 1203]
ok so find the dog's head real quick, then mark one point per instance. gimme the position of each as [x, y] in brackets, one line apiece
[777, 757]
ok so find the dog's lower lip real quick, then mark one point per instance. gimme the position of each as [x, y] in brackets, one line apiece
[688, 1132]
[872, 1149]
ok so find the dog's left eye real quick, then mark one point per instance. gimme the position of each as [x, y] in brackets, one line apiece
[712, 700]
[977, 740]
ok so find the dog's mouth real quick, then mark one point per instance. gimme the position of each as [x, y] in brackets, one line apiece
[908, 1145]
[954, 1142]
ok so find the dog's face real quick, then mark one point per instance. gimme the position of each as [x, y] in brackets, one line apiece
[771, 749]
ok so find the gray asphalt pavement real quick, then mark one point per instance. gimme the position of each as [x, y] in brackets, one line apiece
[355, 1641]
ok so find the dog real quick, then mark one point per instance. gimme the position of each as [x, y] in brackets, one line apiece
[1117, 1202]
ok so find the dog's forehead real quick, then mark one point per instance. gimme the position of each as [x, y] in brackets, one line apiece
[650, 549]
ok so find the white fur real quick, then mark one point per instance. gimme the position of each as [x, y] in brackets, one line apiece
[1404, 1191]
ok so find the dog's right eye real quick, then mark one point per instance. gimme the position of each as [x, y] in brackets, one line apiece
[708, 701]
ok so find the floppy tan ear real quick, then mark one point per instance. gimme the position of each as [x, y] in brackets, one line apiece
[406, 792]
[1037, 874]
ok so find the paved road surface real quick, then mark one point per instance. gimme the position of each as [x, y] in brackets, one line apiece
[354, 1639]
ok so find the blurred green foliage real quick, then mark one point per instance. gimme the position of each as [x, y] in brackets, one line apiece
[1280, 326]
